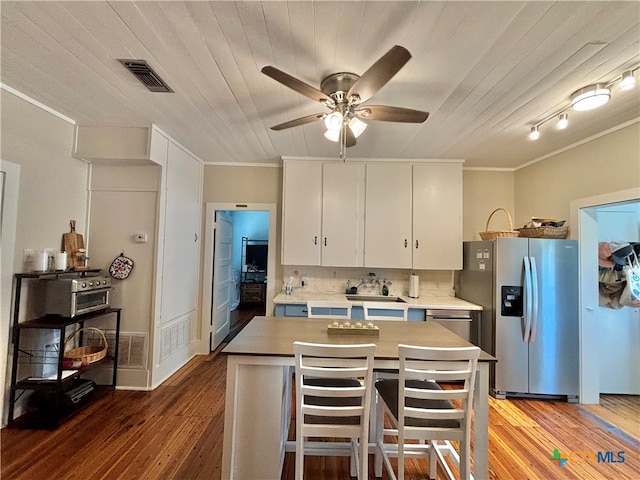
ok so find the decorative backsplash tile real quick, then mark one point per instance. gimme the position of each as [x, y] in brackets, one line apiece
[334, 280]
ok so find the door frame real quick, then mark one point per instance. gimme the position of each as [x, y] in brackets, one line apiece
[208, 257]
[10, 191]
[586, 232]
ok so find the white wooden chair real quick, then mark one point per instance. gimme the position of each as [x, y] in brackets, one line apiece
[421, 410]
[333, 397]
[326, 309]
[385, 311]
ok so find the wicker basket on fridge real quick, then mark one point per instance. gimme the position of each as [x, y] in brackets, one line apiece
[86, 353]
[493, 234]
[545, 231]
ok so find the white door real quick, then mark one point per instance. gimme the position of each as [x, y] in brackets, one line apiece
[342, 214]
[387, 236]
[437, 216]
[302, 213]
[222, 279]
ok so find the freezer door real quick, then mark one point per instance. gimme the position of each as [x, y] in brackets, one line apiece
[511, 349]
[553, 350]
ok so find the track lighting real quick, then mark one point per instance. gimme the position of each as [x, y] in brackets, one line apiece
[563, 121]
[628, 81]
[587, 98]
[534, 134]
[590, 97]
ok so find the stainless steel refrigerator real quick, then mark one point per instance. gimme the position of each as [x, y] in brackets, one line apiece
[528, 288]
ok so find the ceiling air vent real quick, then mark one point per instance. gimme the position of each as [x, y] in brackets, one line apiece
[143, 72]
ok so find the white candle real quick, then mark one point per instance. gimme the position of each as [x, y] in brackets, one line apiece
[61, 260]
[41, 262]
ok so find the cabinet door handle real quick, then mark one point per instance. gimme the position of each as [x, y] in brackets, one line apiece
[315, 240]
[416, 243]
[325, 241]
[405, 243]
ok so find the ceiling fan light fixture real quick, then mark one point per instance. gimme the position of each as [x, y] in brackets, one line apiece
[333, 135]
[563, 121]
[357, 126]
[333, 121]
[628, 81]
[590, 97]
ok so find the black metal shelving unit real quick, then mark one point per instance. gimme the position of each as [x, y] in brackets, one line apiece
[57, 402]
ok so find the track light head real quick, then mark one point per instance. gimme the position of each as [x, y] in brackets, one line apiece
[535, 133]
[563, 121]
[628, 81]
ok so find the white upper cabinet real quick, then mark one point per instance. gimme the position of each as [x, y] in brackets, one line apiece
[323, 220]
[302, 213]
[437, 216]
[342, 214]
[388, 215]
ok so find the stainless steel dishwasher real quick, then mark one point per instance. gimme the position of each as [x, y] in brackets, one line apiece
[460, 322]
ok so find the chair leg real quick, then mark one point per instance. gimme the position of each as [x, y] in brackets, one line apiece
[377, 470]
[465, 446]
[400, 455]
[353, 459]
[433, 460]
[299, 455]
[364, 457]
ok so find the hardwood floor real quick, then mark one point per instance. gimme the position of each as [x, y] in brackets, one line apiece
[175, 432]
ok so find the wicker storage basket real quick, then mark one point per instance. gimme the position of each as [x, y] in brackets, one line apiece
[544, 232]
[86, 353]
[493, 234]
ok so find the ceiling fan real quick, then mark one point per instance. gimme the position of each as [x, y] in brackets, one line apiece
[344, 94]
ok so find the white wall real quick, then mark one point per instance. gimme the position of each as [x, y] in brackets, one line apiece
[124, 202]
[52, 188]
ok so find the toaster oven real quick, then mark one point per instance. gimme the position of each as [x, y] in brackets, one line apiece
[70, 297]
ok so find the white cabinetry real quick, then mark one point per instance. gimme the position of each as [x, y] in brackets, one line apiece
[342, 214]
[301, 213]
[437, 216]
[323, 214]
[388, 215]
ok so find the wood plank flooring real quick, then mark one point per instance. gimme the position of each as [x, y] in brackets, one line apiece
[175, 432]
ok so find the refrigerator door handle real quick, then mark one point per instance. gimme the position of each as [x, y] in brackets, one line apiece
[535, 299]
[528, 305]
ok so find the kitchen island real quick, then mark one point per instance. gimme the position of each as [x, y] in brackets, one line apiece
[258, 392]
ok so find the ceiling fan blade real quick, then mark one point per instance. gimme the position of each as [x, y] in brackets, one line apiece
[351, 138]
[380, 73]
[299, 121]
[297, 85]
[391, 114]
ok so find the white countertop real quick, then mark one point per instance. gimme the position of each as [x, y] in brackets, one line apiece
[429, 300]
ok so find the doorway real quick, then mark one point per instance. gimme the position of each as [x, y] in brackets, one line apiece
[584, 214]
[214, 317]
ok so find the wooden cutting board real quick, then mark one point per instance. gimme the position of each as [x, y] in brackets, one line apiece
[73, 244]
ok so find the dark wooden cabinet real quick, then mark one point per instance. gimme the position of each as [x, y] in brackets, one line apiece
[253, 293]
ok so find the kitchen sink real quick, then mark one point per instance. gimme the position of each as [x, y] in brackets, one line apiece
[374, 298]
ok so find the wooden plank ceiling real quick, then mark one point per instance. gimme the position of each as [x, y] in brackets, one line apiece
[486, 71]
